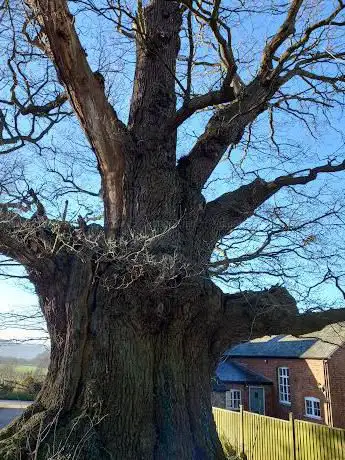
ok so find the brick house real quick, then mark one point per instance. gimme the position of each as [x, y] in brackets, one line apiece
[275, 375]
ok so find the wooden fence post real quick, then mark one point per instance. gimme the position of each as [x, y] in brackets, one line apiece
[242, 454]
[293, 436]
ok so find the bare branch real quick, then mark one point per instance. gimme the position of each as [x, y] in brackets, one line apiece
[231, 86]
[46, 108]
[285, 30]
[226, 127]
[106, 133]
[233, 208]
[211, 99]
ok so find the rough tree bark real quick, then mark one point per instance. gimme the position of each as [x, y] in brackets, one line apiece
[136, 326]
[130, 368]
[129, 373]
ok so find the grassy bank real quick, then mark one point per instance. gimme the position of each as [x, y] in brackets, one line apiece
[16, 396]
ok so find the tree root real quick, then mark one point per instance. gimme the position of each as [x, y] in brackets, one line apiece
[43, 435]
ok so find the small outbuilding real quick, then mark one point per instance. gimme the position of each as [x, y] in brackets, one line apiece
[275, 375]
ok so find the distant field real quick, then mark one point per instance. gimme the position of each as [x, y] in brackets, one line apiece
[23, 368]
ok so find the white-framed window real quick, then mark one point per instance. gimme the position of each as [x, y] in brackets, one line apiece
[284, 385]
[312, 407]
[233, 399]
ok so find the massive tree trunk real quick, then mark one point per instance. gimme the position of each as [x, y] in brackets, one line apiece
[129, 374]
[131, 366]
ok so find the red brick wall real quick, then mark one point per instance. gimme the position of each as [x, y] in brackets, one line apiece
[336, 366]
[306, 377]
[218, 398]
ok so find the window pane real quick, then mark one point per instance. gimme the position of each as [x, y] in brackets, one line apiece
[233, 399]
[317, 410]
[284, 384]
[236, 399]
[313, 407]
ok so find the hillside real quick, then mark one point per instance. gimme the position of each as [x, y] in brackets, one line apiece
[26, 351]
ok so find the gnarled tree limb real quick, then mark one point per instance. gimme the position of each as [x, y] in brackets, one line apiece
[24, 240]
[285, 30]
[252, 314]
[225, 128]
[232, 208]
[44, 109]
[106, 133]
[213, 98]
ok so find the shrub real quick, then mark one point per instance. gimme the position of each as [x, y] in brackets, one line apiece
[26, 389]
[30, 385]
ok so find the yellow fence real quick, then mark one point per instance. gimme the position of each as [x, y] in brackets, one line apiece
[258, 437]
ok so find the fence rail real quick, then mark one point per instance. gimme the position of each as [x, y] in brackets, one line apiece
[258, 437]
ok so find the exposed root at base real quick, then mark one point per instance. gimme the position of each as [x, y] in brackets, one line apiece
[42, 435]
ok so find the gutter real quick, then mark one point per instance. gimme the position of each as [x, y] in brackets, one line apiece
[235, 382]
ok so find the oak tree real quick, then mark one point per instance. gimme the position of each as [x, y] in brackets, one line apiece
[135, 321]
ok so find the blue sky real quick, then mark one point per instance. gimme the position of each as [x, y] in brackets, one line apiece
[17, 299]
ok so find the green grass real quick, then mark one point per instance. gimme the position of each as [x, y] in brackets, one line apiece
[25, 368]
[16, 396]
[19, 381]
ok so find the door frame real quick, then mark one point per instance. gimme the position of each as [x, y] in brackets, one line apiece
[252, 387]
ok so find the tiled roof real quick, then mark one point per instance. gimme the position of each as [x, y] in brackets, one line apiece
[318, 345]
[333, 334]
[230, 372]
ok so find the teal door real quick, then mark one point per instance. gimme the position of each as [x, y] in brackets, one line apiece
[257, 400]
